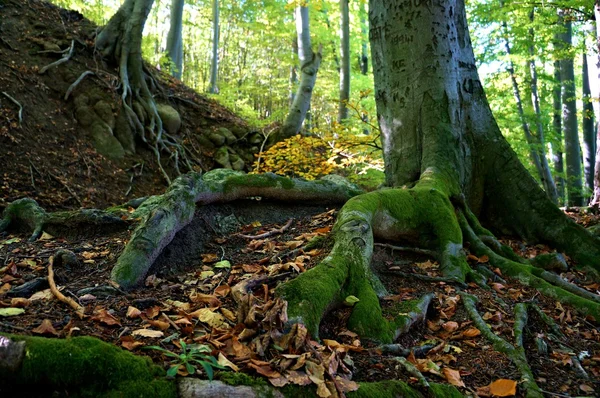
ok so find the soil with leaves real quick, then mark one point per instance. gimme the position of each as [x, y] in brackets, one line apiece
[218, 311]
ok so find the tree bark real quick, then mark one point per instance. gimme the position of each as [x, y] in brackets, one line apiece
[174, 40]
[540, 143]
[536, 152]
[596, 196]
[364, 56]
[589, 150]
[557, 142]
[309, 66]
[345, 61]
[569, 119]
[214, 65]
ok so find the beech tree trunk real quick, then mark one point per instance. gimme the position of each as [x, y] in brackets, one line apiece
[557, 142]
[596, 196]
[345, 60]
[569, 120]
[589, 150]
[174, 40]
[214, 64]
[447, 165]
[364, 56]
[309, 66]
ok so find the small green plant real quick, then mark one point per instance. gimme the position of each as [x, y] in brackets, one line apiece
[190, 357]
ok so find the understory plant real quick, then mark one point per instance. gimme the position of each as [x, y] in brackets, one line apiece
[191, 356]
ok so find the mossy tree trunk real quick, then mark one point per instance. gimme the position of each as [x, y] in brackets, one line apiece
[121, 41]
[448, 166]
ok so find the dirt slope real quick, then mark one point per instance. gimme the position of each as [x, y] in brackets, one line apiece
[49, 156]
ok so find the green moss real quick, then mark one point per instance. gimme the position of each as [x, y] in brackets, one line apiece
[85, 366]
[240, 379]
[385, 389]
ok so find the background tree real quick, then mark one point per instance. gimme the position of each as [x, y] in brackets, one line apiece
[309, 66]
[589, 135]
[174, 40]
[345, 60]
[214, 66]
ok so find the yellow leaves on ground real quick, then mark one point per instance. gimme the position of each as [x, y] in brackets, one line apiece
[499, 388]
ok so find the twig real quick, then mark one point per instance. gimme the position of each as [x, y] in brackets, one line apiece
[408, 249]
[270, 233]
[166, 318]
[73, 194]
[79, 79]
[8, 325]
[425, 278]
[60, 61]
[16, 103]
[7, 44]
[79, 310]
[32, 179]
[262, 146]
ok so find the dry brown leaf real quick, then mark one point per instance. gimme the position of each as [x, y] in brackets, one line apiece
[133, 312]
[483, 259]
[323, 391]
[292, 244]
[147, 333]
[228, 314]
[20, 302]
[41, 295]
[265, 370]
[346, 385]
[152, 312]
[223, 361]
[503, 388]
[209, 258]
[450, 326]
[453, 377]
[162, 325]
[129, 343]
[103, 316]
[280, 381]
[213, 319]
[298, 377]
[209, 299]
[45, 328]
[252, 268]
[471, 332]
[223, 290]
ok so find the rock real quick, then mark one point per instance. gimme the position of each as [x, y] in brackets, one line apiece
[81, 100]
[85, 116]
[104, 110]
[217, 139]
[229, 137]
[221, 157]
[104, 142]
[49, 46]
[124, 134]
[238, 164]
[239, 132]
[170, 118]
[205, 143]
[256, 139]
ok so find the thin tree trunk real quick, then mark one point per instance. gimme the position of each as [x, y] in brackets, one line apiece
[531, 142]
[589, 152]
[539, 140]
[309, 66]
[214, 66]
[293, 72]
[557, 143]
[569, 120]
[345, 60]
[174, 40]
[364, 36]
[596, 197]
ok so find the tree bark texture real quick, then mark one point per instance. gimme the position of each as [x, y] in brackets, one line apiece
[174, 40]
[589, 135]
[214, 65]
[569, 121]
[557, 142]
[345, 60]
[309, 66]
[596, 196]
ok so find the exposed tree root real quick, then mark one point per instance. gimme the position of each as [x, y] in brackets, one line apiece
[79, 310]
[64, 59]
[515, 353]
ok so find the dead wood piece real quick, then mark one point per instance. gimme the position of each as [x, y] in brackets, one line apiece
[189, 388]
[28, 288]
[270, 233]
[12, 354]
[79, 310]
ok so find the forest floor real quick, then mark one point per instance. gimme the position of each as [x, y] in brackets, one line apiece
[188, 295]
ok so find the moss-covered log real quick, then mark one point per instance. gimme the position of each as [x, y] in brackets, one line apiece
[78, 366]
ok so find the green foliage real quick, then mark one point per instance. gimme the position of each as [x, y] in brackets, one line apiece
[190, 357]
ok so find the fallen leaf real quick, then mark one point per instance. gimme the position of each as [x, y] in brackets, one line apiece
[280, 381]
[103, 316]
[222, 290]
[147, 333]
[133, 312]
[450, 326]
[213, 319]
[471, 332]
[453, 377]
[483, 259]
[45, 328]
[20, 302]
[11, 311]
[129, 343]
[209, 257]
[503, 388]
[42, 295]
[223, 361]
[585, 388]
[223, 264]
[351, 300]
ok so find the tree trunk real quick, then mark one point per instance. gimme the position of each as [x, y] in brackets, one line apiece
[535, 151]
[540, 143]
[121, 41]
[557, 142]
[174, 40]
[596, 196]
[309, 66]
[345, 61]
[214, 65]
[589, 150]
[293, 73]
[446, 161]
[569, 120]
[364, 56]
